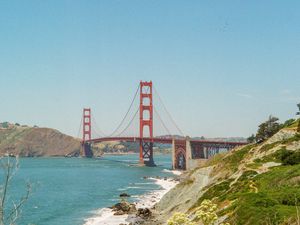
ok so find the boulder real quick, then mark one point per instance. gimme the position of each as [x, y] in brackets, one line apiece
[124, 207]
[124, 195]
[144, 213]
[119, 213]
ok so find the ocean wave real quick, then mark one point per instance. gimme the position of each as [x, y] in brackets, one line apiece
[175, 172]
[105, 216]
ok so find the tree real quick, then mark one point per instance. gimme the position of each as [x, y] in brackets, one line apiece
[267, 129]
[9, 215]
[251, 139]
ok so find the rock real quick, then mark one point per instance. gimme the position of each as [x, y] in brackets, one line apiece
[132, 208]
[119, 213]
[124, 207]
[124, 195]
[144, 213]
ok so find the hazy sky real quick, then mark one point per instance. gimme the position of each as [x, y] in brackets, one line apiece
[221, 67]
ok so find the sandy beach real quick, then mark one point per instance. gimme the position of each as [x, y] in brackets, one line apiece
[105, 216]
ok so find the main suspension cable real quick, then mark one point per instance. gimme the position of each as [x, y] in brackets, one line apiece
[126, 113]
[97, 129]
[164, 125]
[138, 109]
[128, 123]
[80, 126]
[168, 112]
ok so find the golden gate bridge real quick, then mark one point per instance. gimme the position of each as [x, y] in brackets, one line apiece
[185, 151]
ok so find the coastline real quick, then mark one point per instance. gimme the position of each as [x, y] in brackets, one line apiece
[105, 216]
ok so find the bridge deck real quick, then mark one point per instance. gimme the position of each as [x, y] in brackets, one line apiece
[160, 140]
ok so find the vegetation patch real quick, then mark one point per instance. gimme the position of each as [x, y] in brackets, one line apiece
[267, 147]
[233, 160]
[268, 198]
[296, 137]
[288, 157]
[218, 190]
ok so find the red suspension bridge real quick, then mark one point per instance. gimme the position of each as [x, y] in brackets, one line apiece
[139, 127]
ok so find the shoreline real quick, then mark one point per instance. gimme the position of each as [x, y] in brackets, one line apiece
[105, 216]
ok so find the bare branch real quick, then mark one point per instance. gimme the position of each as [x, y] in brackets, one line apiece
[10, 167]
[19, 205]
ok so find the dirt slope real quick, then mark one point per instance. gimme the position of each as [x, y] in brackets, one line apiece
[28, 141]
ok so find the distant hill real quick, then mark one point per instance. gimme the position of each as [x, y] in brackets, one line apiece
[22, 140]
[234, 139]
[34, 141]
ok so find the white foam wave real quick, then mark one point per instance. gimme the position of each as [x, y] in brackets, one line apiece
[175, 172]
[106, 216]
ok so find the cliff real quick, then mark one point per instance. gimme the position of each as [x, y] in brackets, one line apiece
[254, 184]
[34, 141]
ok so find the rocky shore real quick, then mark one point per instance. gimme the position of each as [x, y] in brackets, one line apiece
[141, 212]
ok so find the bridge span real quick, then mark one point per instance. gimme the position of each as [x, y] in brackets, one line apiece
[185, 151]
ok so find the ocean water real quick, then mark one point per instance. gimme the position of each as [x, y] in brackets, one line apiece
[69, 190]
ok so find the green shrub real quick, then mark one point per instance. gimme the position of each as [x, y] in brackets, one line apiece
[217, 190]
[288, 123]
[289, 157]
[233, 160]
[267, 147]
[296, 137]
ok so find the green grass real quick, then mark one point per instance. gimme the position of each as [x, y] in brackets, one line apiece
[294, 124]
[274, 203]
[267, 147]
[269, 198]
[296, 137]
[232, 161]
[217, 190]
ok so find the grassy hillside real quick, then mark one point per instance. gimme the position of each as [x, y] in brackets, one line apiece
[34, 141]
[255, 184]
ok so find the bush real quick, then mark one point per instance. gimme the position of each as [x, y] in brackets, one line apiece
[289, 157]
[288, 123]
[292, 159]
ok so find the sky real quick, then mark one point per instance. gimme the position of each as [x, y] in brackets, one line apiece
[221, 67]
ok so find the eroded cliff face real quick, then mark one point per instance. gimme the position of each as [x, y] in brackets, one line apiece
[184, 195]
[250, 185]
[31, 142]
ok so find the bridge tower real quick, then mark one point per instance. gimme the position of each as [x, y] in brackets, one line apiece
[87, 125]
[86, 133]
[146, 122]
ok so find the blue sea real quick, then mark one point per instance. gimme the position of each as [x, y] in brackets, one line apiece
[69, 190]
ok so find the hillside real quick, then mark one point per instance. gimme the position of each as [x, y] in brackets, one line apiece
[120, 147]
[33, 141]
[255, 184]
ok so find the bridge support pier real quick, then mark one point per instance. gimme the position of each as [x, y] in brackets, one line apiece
[181, 154]
[86, 150]
[146, 156]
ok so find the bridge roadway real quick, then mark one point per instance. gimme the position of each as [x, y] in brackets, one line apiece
[161, 140]
[184, 151]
